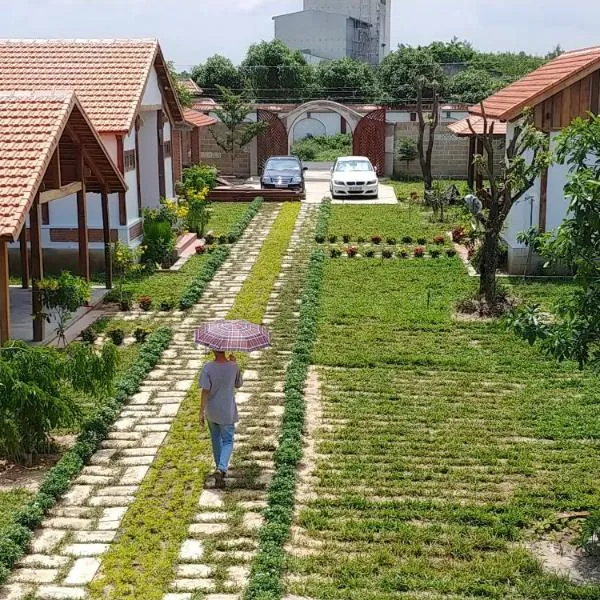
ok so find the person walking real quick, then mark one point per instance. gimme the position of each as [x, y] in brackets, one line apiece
[218, 381]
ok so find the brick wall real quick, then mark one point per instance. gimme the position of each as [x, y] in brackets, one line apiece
[450, 153]
[211, 154]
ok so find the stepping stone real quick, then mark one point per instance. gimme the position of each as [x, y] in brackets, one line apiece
[15, 591]
[154, 439]
[208, 528]
[238, 576]
[222, 597]
[146, 451]
[211, 498]
[191, 551]
[111, 518]
[210, 517]
[78, 512]
[54, 592]
[193, 585]
[134, 475]
[86, 549]
[100, 471]
[34, 575]
[252, 521]
[102, 457]
[191, 571]
[117, 490]
[93, 537]
[184, 596]
[83, 571]
[110, 501]
[45, 561]
[46, 540]
[68, 523]
[169, 410]
[134, 461]
[77, 495]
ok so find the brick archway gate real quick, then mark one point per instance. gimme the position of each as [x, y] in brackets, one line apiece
[369, 138]
[273, 141]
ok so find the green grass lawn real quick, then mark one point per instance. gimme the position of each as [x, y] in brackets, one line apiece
[225, 215]
[387, 221]
[447, 445]
[545, 292]
[405, 188]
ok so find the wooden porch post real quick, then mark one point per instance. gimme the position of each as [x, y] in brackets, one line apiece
[4, 294]
[106, 237]
[82, 226]
[37, 268]
[24, 259]
[471, 167]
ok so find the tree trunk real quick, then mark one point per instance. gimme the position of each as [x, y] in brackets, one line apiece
[488, 267]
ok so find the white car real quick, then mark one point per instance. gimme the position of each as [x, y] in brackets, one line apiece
[353, 177]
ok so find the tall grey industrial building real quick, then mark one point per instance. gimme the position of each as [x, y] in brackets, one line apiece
[330, 29]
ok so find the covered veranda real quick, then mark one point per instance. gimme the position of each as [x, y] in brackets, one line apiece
[49, 150]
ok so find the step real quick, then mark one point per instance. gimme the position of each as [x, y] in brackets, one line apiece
[185, 242]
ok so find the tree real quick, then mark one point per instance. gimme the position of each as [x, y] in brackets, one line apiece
[507, 65]
[428, 121]
[347, 80]
[239, 132]
[275, 72]
[473, 85]
[527, 156]
[454, 51]
[217, 71]
[185, 98]
[406, 150]
[402, 70]
[574, 332]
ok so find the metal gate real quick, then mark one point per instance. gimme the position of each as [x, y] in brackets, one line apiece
[274, 140]
[369, 139]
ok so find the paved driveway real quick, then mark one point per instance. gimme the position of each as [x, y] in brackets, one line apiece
[317, 187]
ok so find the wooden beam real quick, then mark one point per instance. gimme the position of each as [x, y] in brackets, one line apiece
[137, 165]
[89, 161]
[161, 157]
[4, 294]
[106, 236]
[82, 226]
[543, 200]
[121, 167]
[62, 192]
[37, 269]
[24, 259]
[52, 177]
[595, 99]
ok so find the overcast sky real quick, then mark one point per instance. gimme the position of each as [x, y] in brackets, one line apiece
[191, 30]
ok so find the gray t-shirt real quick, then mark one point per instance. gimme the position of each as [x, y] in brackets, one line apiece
[221, 379]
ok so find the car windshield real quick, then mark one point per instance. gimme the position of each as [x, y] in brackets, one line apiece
[348, 166]
[282, 164]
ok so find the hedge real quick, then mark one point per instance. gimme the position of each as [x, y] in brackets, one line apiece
[15, 537]
[197, 286]
[265, 577]
[323, 220]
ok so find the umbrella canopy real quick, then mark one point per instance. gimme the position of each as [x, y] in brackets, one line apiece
[233, 336]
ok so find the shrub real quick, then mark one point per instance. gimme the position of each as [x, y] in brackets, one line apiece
[145, 303]
[141, 335]
[391, 241]
[332, 239]
[323, 220]
[370, 253]
[89, 335]
[62, 296]
[335, 252]
[458, 235]
[352, 251]
[450, 252]
[435, 253]
[323, 147]
[238, 229]
[407, 239]
[159, 239]
[197, 286]
[209, 238]
[117, 336]
[198, 177]
[421, 241]
[403, 253]
[40, 390]
[387, 253]
[167, 305]
[419, 252]
[125, 263]
[439, 240]
[346, 238]
[126, 301]
[376, 239]
[200, 248]
[223, 239]
[360, 239]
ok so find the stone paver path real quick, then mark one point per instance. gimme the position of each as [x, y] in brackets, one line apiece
[66, 552]
[223, 538]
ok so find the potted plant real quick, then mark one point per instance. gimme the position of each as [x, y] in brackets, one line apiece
[450, 252]
[346, 237]
[117, 336]
[376, 239]
[200, 248]
[387, 253]
[335, 253]
[332, 239]
[140, 335]
[351, 251]
[435, 253]
[391, 241]
[439, 240]
[407, 239]
[145, 303]
[421, 241]
[419, 252]
[370, 253]
[209, 238]
[403, 253]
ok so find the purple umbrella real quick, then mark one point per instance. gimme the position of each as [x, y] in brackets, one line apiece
[233, 336]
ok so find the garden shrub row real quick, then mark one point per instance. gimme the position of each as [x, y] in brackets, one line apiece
[323, 220]
[265, 578]
[15, 537]
[197, 286]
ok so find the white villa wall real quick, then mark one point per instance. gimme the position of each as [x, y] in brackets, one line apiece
[169, 187]
[148, 160]
[319, 123]
[557, 205]
[152, 96]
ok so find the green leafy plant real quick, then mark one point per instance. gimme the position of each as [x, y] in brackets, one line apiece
[421, 241]
[89, 335]
[407, 239]
[419, 252]
[167, 305]
[145, 303]
[117, 336]
[391, 241]
[62, 297]
[198, 177]
[126, 263]
[403, 253]
[406, 150]
[346, 238]
[370, 253]
[387, 253]
[335, 252]
[323, 148]
[141, 335]
[376, 239]
[323, 220]
[435, 252]
[450, 252]
[332, 239]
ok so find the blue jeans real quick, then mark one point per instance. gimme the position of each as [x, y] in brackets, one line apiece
[221, 437]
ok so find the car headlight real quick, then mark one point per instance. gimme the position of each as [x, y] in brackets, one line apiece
[338, 182]
[372, 182]
[296, 179]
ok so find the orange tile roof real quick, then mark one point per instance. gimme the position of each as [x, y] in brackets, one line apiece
[198, 119]
[461, 128]
[542, 83]
[31, 125]
[191, 86]
[109, 76]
